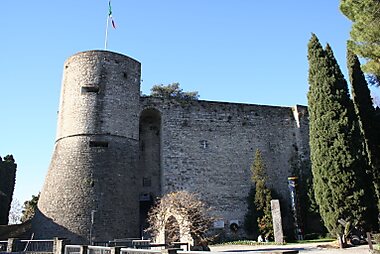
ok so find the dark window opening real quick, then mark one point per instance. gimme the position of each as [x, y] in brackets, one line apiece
[147, 182]
[98, 144]
[204, 144]
[90, 89]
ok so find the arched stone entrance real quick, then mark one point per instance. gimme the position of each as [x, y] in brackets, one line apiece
[181, 232]
[172, 231]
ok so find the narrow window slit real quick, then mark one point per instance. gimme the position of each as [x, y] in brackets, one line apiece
[89, 89]
[98, 144]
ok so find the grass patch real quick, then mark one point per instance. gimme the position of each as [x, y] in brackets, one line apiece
[248, 242]
[319, 240]
[251, 242]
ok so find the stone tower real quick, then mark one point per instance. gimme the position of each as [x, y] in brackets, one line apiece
[96, 152]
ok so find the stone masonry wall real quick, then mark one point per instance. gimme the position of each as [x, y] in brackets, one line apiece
[116, 150]
[208, 148]
[94, 168]
[100, 95]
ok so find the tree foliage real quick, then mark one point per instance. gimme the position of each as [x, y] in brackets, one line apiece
[29, 208]
[7, 184]
[338, 164]
[15, 212]
[365, 33]
[183, 209]
[366, 115]
[172, 91]
[250, 219]
[262, 198]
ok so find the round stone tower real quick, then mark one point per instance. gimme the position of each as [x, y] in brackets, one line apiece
[91, 189]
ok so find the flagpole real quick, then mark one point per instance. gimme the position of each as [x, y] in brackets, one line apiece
[106, 39]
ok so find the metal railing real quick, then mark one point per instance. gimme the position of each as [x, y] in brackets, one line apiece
[3, 246]
[98, 250]
[41, 246]
[138, 251]
[141, 244]
[72, 249]
[101, 243]
[123, 242]
[80, 249]
[136, 243]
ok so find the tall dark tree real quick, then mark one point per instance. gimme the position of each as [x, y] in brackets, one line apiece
[7, 185]
[365, 33]
[250, 218]
[262, 196]
[366, 115]
[364, 177]
[337, 159]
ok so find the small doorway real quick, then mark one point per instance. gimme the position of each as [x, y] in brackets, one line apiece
[146, 202]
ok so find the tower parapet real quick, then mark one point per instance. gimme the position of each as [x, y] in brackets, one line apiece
[100, 95]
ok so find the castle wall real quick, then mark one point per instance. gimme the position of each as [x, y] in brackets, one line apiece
[208, 148]
[115, 151]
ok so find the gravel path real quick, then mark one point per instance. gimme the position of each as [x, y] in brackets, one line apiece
[314, 248]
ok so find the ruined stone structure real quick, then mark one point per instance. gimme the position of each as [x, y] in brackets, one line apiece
[116, 151]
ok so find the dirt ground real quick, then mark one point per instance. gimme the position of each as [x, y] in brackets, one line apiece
[314, 248]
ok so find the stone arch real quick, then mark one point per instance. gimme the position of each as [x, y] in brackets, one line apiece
[172, 230]
[172, 215]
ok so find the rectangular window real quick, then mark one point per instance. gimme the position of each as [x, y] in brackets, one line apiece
[89, 89]
[147, 182]
[204, 144]
[98, 144]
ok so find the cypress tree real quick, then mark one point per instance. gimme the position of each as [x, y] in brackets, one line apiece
[263, 196]
[364, 41]
[336, 159]
[366, 116]
[360, 164]
[7, 185]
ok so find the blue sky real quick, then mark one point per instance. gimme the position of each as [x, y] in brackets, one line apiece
[229, 50]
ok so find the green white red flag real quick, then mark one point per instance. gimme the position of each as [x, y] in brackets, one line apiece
[110, 14]
[109, 18]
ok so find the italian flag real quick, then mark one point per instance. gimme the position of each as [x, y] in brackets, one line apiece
[110, 14]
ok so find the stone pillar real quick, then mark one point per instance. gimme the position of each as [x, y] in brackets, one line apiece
[115, 250]
[170, 251]
[277, 221]
[83, 249]
[12, 245]
[369, 239]
[58, 246]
